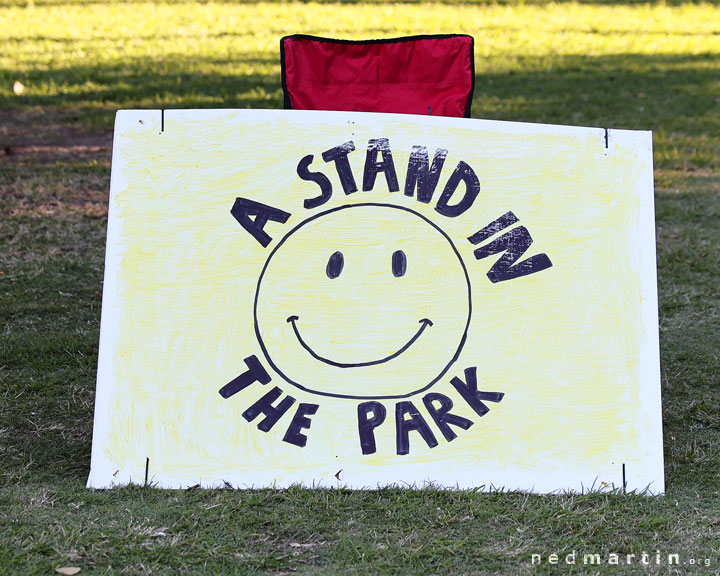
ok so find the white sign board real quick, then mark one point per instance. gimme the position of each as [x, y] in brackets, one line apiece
[353, 299]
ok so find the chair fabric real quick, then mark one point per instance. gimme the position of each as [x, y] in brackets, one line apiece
[411, 75]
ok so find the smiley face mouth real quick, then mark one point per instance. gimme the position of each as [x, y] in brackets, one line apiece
[424, 323]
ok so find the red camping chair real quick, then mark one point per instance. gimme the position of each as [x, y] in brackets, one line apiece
[412, 75]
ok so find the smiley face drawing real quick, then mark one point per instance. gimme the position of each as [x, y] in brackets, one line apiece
[364, 301]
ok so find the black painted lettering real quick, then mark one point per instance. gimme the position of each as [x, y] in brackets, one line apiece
[373, 166]
[468, 390]
[514, 243]
[463, 173]
[422, 175]
[254, 373]
[339, 155]
[505, 221]
[319, 178]
[442, 416]
[403, 427]
[370, 416]
[254, 215]
[265, 406]
[299, 423]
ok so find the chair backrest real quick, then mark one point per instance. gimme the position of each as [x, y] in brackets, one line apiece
[412, 75]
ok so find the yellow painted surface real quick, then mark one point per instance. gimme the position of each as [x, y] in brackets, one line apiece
[568, 346]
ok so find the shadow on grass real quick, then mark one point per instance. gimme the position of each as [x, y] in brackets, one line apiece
[630, 90]
[669, 94]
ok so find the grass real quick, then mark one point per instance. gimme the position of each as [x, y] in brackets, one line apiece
[623, 65]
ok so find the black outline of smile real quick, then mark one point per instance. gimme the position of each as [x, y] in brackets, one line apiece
[291, 319]
[418, 390]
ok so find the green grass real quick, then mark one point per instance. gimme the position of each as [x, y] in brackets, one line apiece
[639, 66]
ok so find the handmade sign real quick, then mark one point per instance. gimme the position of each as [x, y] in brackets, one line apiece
[355, 299]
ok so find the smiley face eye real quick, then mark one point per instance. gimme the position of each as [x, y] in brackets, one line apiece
[335, 265]
[399, 263]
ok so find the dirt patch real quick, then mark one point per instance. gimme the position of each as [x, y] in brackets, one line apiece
[44, 126]
[47, 136]
[52, 153]
[51, 166]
